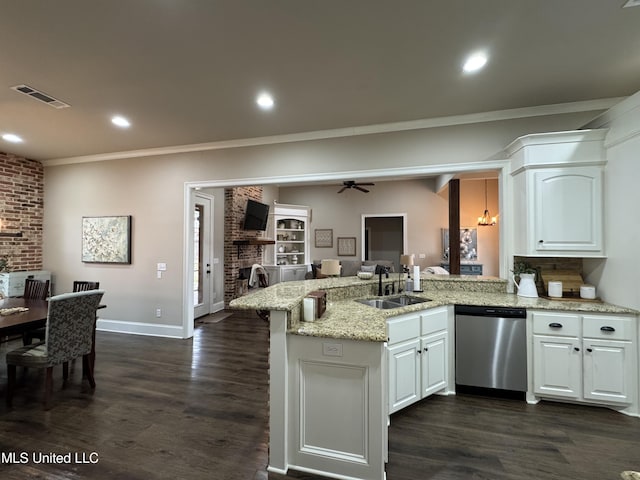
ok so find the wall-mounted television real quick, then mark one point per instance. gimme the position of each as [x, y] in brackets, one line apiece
[256, 216]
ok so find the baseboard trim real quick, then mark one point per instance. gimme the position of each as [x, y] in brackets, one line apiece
[138, 328]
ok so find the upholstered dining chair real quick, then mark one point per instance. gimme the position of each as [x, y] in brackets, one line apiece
[69, 335]
[78, 286]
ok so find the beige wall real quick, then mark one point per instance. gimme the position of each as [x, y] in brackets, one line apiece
[426, 210]
[151, 189]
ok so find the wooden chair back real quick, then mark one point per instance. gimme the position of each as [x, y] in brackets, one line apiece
[83, 286]
[36, 289]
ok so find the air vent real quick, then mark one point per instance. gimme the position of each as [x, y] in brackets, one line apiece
[40, 96]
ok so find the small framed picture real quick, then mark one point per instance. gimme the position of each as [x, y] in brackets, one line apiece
[324, 238]
[346, 246]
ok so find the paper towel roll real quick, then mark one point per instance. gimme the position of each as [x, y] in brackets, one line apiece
[416, 278]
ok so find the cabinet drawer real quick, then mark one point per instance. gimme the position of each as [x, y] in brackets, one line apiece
[433, 321]
[614, 328]
[403, 328]
[558, 324]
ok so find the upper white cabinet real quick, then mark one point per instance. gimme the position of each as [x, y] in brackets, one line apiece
[558, 194]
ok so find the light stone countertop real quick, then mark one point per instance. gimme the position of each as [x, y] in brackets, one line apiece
[348, 319]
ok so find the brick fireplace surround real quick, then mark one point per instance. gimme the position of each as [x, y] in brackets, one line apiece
[243, 257]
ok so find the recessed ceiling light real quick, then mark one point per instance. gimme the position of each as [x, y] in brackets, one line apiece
[10, 137]
[265, 101]
[474, 62]
[120, 121]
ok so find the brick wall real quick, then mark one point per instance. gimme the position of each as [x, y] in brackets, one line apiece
[235, 202]
[21, 210]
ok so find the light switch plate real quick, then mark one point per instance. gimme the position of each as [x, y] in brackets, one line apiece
[162, 267]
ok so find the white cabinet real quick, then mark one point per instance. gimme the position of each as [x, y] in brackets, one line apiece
[558, 194]
[12, 283]
[418, 356]
[561, 212]
[434, 343]
[289, 256]
[285, 273]
[404, 361]
[589, 358]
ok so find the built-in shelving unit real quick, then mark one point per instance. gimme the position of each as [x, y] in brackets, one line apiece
[288, 259]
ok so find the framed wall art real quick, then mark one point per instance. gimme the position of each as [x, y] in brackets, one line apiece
[324, 238]
[106, 239]
[346, 246]
[468, 243]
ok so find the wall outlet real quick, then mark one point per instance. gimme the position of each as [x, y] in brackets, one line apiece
[422, 256]
[332, 349]
[158, 312]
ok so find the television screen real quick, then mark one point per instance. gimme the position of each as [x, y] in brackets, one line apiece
[256, 215]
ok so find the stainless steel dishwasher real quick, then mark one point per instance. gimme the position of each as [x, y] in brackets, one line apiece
[491, 349]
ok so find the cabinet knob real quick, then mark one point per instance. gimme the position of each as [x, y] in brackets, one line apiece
[419, 351]
[589, 350]
[540, 241]
[607, 329]
[426, 349]
[555, 325]
[576, 349]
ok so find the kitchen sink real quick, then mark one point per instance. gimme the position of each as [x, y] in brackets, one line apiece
[396, 301]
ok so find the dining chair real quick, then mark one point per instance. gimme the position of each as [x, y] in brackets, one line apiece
[69, 335]
[83, 285]
[78, 286]
[36, 289]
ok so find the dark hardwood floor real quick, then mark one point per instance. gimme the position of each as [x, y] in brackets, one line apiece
[197, 409]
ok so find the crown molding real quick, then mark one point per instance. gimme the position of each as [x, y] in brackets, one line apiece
[438, 122]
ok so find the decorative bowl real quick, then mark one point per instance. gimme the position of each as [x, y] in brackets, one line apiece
[365, 275]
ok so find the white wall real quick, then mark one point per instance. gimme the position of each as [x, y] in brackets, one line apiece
[152, 190]
[616, 278]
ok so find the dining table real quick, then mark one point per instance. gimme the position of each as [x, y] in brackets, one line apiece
[19, 322]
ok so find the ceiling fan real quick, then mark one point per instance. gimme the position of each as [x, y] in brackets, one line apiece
[352, 184]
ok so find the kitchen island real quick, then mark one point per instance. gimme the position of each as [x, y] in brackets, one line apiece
[328, 379]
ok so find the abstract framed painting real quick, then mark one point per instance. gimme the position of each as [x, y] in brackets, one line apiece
[106, 239]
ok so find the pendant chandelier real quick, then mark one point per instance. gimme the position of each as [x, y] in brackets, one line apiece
[486, 220]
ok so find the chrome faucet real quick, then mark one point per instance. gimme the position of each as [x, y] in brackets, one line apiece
[382, 270]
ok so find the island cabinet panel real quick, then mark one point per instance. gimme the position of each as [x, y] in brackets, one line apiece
[586, 357]
[337, 407]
